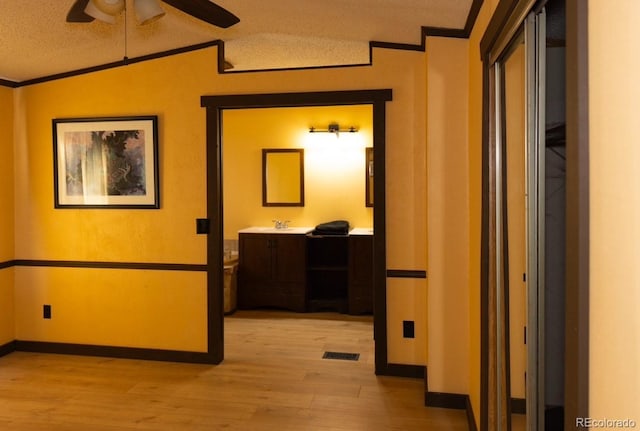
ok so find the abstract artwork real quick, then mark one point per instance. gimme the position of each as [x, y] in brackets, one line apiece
[106, 162]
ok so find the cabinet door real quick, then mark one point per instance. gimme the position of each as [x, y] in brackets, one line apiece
[360, 274]
[255, 257]
[289, 258]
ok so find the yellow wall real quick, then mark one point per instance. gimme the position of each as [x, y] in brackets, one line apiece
[6, 215]
[171, 88]
[406, 298]
[334, 166]
[448, 215]
[7, 316]
[6, 174]
[614, 103]
[166, 235]
[129, 308]
[475, 199]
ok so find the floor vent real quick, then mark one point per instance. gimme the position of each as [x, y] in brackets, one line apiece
[341, 355]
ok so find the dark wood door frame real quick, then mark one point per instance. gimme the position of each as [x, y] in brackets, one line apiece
[577, 266]
[215, 105]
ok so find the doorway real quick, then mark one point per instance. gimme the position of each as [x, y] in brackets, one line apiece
[215, 105]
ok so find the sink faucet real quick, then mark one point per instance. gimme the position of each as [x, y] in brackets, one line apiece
[279, 224]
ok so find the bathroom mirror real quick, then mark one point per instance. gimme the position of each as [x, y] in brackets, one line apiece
[283, 177]
[368, 169]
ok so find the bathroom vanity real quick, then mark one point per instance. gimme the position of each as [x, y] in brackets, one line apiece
[272, 268]
[293, 269]
[360, 271]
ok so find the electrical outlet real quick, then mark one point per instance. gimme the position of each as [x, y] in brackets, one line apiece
[408, 329]
[46, 311]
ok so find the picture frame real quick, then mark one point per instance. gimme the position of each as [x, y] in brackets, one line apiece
[108, 162]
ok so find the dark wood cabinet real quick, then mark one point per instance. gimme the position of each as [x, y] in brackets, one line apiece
[327, 273]
[271, 271]
[305, 272]
[360, 274]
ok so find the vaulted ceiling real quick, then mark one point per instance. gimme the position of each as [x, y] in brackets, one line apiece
[36, 41]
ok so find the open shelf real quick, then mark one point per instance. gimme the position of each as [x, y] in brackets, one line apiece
[328, 272]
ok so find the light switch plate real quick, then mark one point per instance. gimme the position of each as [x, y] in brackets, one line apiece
[202, 226]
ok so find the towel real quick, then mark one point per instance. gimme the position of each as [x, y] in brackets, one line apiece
[336, 227]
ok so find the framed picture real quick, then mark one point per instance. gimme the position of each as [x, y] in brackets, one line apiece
[106, 162]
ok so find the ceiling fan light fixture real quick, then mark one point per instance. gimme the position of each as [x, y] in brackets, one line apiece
[148, 11]
[105, 10]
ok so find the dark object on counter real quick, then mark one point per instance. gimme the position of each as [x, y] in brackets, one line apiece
[336, 227]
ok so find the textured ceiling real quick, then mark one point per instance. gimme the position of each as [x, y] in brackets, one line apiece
[35, 40]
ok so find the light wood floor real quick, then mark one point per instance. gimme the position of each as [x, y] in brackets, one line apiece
[273, 378]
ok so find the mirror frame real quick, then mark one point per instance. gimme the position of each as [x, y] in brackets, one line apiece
[265, 153]
[368, 169]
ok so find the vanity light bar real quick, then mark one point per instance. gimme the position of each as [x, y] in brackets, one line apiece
[333, 128]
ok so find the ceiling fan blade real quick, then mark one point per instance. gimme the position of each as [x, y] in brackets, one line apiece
[205, 11]
[76, 13]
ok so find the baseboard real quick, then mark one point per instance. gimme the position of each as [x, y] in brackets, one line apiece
[5, 349]
[402, 370]
[471, 418]
[452, 401]
[447, 400]
[114, 352]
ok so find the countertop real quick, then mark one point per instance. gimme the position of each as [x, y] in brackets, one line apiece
[300, 230]
[271, 229]
[361, 231]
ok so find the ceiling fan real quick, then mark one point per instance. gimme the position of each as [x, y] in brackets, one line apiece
[149, 10]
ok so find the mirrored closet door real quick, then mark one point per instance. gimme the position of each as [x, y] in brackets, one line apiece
[515, 288]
